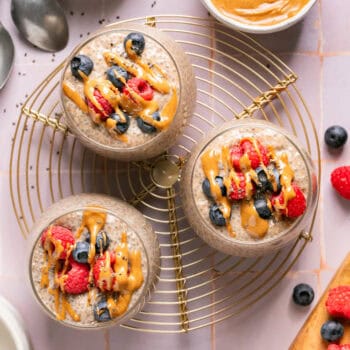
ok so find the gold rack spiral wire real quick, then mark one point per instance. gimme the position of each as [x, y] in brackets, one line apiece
[236, 78]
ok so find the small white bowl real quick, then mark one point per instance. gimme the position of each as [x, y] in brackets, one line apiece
[257, 29]
[12, 333]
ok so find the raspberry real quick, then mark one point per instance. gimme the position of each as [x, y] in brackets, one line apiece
[60, 237]
[141, 87]
[236, 154]
[238, 192]
[295, 206]
[338, 347]
[256, 157]
[106, 110]
[100, 264]
[340, 179]
[77, 279]
[338, 302]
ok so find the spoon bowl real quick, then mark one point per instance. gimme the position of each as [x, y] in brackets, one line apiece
[7, 54]
[41, 22]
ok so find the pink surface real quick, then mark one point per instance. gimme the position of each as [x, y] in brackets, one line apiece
[318, 51]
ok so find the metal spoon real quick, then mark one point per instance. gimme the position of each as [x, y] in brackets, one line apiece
[42, 22]
[7, 54]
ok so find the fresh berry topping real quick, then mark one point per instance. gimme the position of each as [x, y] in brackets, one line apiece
[81, 63]
[332, 331]
[103, 272]
[303, 294]
[276, 187]
[77, 279]
[137, 42]
[255, 151]
[295, 207]
[216, 217]
[121, 126]
[340, 179]
[236, 154]
[264, 184]
[206, 187]
[107, 109]
[238, 187]
[335, 136]
[113, 75]
[262, 207]
[148, 128]
[101, 312]
[60, 239]
[338, 302]
[102, 242]
[338, 347]
[81, 252]
[141, 87]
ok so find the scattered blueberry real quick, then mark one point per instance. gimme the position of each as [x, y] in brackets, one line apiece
[332, 331]
[260, 204]
[81, 252]
[137, 42]
[101, 312]
[148, 128]
[81, 63]
[206, 187]
[264, 182]
[121, 127]
[276, 175]
[303, 294]
[335, 136]
[216, 217]
[113, 73]
[102, 242]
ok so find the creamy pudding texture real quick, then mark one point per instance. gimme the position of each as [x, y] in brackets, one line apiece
[242, 221]
[129, 270]
[260, 12]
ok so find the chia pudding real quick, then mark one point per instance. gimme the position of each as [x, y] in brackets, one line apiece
[128, 91]
[252, 188]
[93, 261]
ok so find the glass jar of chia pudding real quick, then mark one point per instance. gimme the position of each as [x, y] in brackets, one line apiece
[127, 92]
[249, 188]
[93, 261]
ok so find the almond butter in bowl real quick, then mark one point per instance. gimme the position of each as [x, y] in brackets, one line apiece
[127, 92]
[93, 261]
[248, 188]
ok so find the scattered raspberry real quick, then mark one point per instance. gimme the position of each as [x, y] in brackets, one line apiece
[106, 110]
[60, 236]
[338, 302]
[100, 265]
[256, 157]
[77, 279]
[338, 347]
[295, 206]
[236, 154]
[340, 179]
[238, 192]
[141, 87]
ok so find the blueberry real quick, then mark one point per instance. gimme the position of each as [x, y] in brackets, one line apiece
[81, 252]
[101, 312]
[332, 331]
[216, 217]
[206, 187]
[121, 127]
[148, 128]
[260, 204]
[264, 182]
[276, 175]
[335, 136]
[137, 42]
[113, 73]
[303, 294]
[102, 242]
[81, 63]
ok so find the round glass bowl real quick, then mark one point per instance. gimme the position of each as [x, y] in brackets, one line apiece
[120, 218]
[280, 231]
[256, 28]
[160, 51]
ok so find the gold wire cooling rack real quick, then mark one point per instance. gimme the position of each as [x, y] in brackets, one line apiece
[236, 78]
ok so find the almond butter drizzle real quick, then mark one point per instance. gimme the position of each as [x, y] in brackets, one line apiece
[75, 97]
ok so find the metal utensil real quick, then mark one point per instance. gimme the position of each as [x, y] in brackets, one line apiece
[41, 22]
[7, 54]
